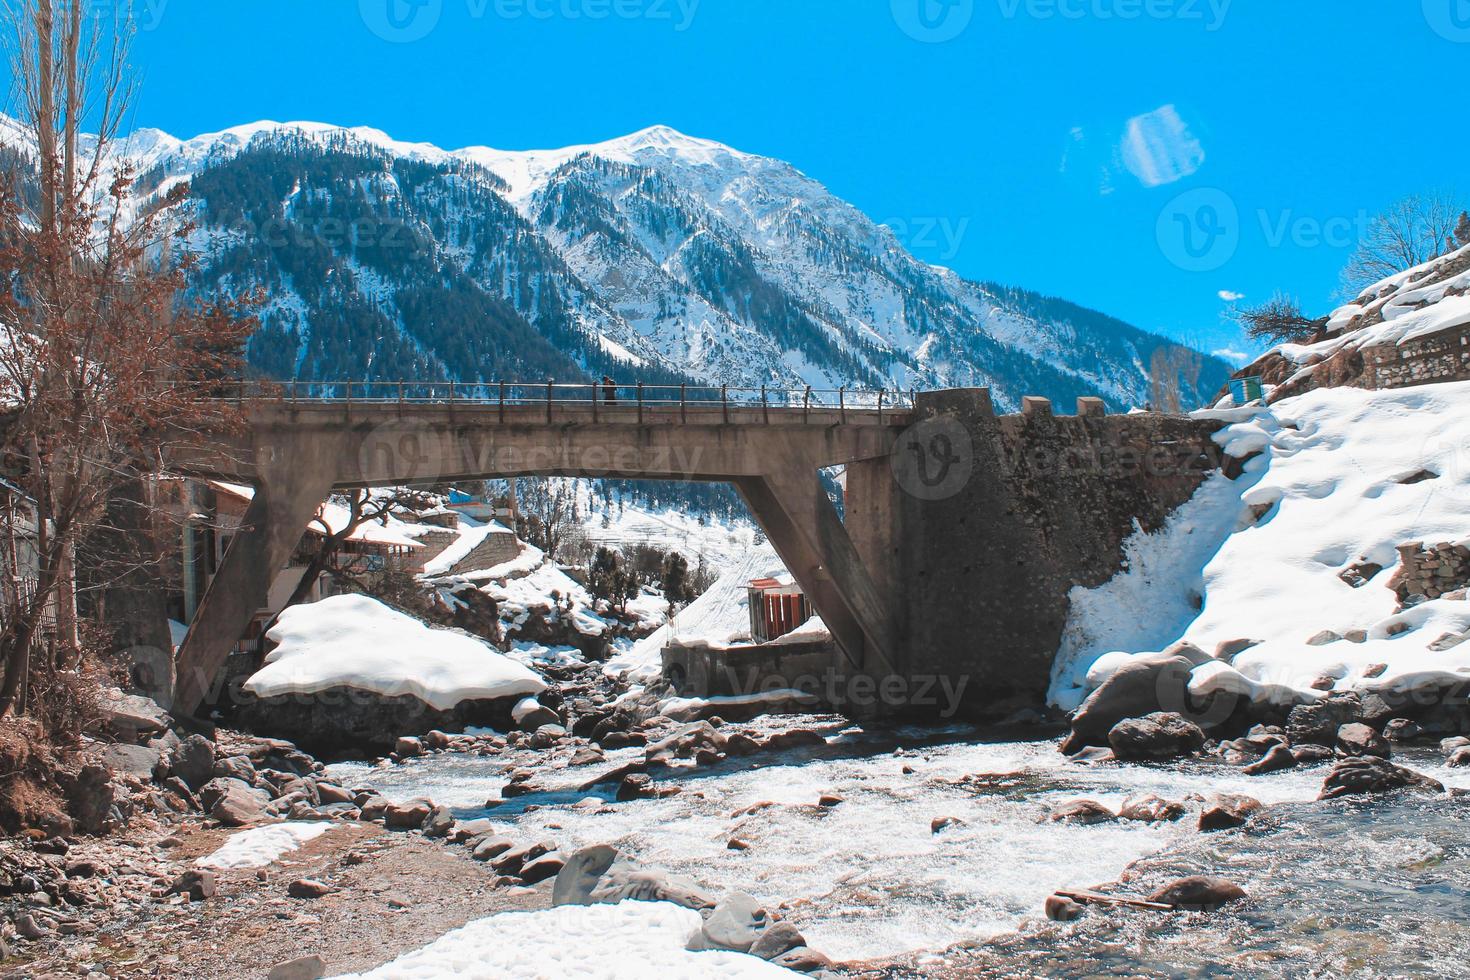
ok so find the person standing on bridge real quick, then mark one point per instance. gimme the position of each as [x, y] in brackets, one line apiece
[609, 390]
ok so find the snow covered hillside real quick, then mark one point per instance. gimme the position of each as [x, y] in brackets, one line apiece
[655, 256]
[1284, 558]
[1408, 306]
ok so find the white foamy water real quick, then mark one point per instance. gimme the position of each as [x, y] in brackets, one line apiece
[867, 878]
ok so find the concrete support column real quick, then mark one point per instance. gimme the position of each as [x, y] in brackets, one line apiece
[804, 528]
[291, 490]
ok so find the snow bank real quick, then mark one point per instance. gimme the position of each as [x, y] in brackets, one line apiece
[261, 846]
[356, 642]
[1341, 481]
[632, 940]
[718, 617]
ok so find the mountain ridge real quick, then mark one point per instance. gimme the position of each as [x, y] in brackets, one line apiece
[675, 257]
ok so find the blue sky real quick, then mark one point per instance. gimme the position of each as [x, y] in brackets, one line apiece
[1137, 156]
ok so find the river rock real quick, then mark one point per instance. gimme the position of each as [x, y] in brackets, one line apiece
[635, 786]
[1317, 723]
[1228, 810]
[1277, 758]
[1151, 808]
[1460, 758]
[1082, 812]
[439, 822]
[196, 885]
[1198, 892]
[1060, 908]
[309, 888]
[138, 761]
[233, 802]
[1449, 745]
[803, 959]
[193, 761]
[512, 861]
[797, 738]
[1402, 730]
[311, 967]
[735, 924]
[1358, 739]
[541, 868]
[130, 716]
[491, 848]
[601, 874]
[406, 816]
[778, 938]
[236, 767]
[1161, 735]
[408, 747]
[1144, 685]
[1371, 774]
[1307, 753]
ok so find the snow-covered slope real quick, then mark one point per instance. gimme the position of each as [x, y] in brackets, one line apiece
[656, 256]
[1406, 306]
[1345, 475]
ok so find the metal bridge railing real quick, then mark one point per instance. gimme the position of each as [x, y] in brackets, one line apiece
[550, 394]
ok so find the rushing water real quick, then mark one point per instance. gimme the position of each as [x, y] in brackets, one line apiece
[1359, 886]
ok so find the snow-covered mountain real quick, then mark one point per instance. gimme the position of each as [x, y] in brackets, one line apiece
[656, 257]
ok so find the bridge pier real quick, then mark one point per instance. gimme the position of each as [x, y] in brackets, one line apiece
[291, 486]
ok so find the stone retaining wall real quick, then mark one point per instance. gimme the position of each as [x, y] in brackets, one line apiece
[1431, 571]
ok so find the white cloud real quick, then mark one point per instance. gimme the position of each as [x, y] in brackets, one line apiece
[1230, 296]
[1233, 356]
[1159, 149]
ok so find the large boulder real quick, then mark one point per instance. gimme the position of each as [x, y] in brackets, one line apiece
[193, 761]
[232, 802]
[1161, 735]
[1317, 723]
[1358, 739]
[735, 924]
[139, 761]
[1142, 686]
[343, 720]
[131, 716]
[1228, 810]
[1368, 774]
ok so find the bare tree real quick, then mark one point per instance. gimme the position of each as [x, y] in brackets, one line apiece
[1173, 375]
[1462, 229]
[104, 358]
[1280, 320]
[363, 507]
[1411, 232]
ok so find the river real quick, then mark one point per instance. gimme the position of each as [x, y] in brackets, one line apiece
[1375, 889]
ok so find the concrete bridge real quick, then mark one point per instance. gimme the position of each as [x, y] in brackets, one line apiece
[963, 529]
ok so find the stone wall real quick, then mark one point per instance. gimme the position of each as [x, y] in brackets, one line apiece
[981, 562]
[1442, 356]
[1431, 572]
